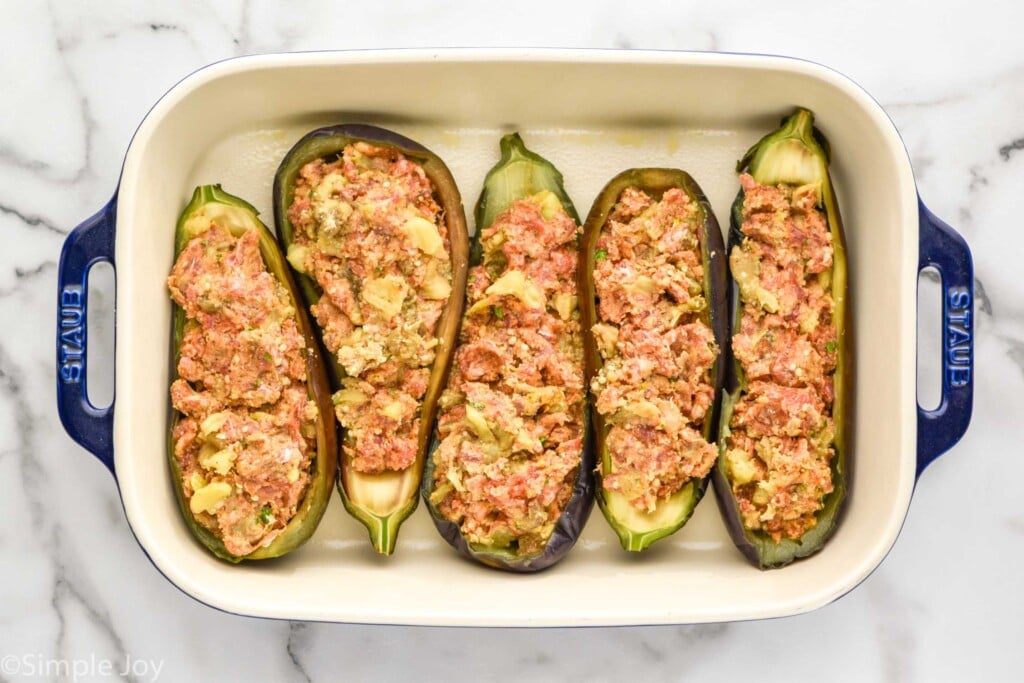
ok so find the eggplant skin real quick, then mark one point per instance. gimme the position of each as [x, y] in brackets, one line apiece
[328, 143]
[796, 135]
[567, 529]
[518, 174]
[655, 181]
[311, 509]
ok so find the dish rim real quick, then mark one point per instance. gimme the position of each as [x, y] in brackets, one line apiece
[455, 56]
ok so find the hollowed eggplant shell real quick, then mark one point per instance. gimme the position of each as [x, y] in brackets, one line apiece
[313, 504]
[521, 173]
[382, 502]
[655, 181]
[796, 153]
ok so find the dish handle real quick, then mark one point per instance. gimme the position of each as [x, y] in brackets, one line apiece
[90, 243]
[944, 249]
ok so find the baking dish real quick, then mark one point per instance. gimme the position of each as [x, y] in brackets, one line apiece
[593, 113]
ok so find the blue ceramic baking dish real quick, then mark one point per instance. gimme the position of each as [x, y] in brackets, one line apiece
[232, 122]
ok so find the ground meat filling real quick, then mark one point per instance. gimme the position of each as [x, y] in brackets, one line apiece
[246, 439]
[369, 231]
[511, 422]
[780, 447]
[654, 388]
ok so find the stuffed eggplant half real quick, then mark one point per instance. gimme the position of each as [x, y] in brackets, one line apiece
[252, 439]
[654, 315]
[509, 481]
[373, 223]
[781, 474]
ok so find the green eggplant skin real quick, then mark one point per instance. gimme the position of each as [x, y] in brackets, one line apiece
[521, 173]
[796, 153]
[654, 181]
[383, 502]
[239, 216]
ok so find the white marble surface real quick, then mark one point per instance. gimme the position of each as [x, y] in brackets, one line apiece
[77, 78]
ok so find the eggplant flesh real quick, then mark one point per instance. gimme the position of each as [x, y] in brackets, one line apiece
[383, 501]
[638, 529]
[521, 173]
[795, 154]
[238, 216]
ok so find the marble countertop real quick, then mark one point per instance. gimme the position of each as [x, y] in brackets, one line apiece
[77, 78]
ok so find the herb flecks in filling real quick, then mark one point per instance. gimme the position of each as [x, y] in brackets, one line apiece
[370, 232]
[654, 387]
[781, 442]
[246, 438]
[511, 423]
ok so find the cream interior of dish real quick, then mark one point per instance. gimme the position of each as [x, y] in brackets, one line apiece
[235, 129]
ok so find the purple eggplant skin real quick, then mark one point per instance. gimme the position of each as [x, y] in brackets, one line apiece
[655, 182]
[796, 144]
[567, 529]
[521, 173]
[315, 501]
[328, 143]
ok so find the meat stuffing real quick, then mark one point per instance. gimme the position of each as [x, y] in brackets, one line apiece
[781, 442]
[512, 417]
[369, 231]
[245, 441]
[654, 387]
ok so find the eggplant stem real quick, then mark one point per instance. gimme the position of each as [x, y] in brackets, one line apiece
[382, 535]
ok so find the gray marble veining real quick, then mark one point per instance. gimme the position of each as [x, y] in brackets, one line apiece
[78, 77]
